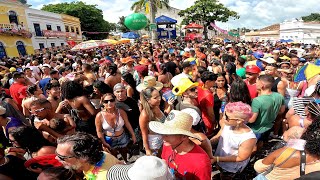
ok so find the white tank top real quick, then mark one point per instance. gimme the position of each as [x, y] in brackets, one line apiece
[229, 144]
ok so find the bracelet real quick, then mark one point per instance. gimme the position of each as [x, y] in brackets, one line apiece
[217, 157]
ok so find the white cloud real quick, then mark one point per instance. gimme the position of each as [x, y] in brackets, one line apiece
[253, 13]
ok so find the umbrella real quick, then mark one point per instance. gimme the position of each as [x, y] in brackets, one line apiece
[306, 72]
[193, 26]
[130, 35]
[124, 40]
[89, 45]
[110, 41]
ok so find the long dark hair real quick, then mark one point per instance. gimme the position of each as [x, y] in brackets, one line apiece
[239, 91]
[128, 77]
[29, 138]
[71, 89]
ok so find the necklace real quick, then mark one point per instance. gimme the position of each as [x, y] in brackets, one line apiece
[5, 161]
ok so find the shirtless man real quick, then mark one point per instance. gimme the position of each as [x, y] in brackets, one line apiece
[53, 92]
[114, 76]
[79, 106]
[90, 77]
[43, 112]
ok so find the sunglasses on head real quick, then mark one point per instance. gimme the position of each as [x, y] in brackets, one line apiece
[63, 158]
[106, 101]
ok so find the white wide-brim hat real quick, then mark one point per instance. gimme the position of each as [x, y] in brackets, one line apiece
[176, 123]
[149, 81]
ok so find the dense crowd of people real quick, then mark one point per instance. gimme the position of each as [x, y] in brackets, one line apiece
[185, 109]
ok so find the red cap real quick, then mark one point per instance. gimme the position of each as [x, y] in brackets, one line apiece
[141, 69]
[253, 69]
[23, 92]
[45, 160]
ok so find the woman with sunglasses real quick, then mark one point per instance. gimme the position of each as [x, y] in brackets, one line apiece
[110, 123]
[236, 140]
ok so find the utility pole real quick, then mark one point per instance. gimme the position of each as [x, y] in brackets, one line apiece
[154, 37]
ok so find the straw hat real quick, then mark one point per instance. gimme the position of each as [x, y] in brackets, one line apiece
[146, 168]
[183, 85]
[149, 81]
[144, 61]
[176, 123]
[126, 60]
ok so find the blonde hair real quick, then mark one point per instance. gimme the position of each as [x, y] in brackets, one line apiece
[145, 95]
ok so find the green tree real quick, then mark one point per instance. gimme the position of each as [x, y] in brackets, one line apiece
[154, 5]
[311, 17]
[90, 16]
[120, 25]
[206, 12]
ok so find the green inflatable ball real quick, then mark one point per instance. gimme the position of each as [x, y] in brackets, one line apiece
[136, 21]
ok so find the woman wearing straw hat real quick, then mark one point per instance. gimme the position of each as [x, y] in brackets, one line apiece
[150, 101]
[185, 159]
[236, 140]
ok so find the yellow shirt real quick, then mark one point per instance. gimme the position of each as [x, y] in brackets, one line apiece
[102, 173]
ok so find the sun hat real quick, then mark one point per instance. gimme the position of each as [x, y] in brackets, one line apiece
[286, 58]
[12, 69]
[22, 92]
[268, 60]
[46, 160]
[253, 69]
[149, 81]
[183, 85]
[126, 60]
[238, 110]
[144, 61]
[2, 110]
[176, 123]
[142, 69]
[145, 167]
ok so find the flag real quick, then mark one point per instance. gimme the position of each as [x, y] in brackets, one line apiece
[147, 8]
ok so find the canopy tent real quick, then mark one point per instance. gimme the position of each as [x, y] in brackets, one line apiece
[286, 40]
[193, 26]
[165, 20]
[130, 35]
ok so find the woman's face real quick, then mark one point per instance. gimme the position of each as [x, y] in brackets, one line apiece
[55, 91]
[109, 102]
[220, 82]
[155, 98]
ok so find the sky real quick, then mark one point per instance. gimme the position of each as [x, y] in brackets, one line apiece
[254, 14]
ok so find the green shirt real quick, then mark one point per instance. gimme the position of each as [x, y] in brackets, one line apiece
[267, 107]
[241, 72]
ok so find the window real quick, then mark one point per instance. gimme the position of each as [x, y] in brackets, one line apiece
[49, 27]
[58, 28]
[13, 18]
[2, 51]
[62, 44]
[72, 29]
[21, 48]
[53, 45]
[41, 46]
[67, 28]
[37, 29]
[77, 30]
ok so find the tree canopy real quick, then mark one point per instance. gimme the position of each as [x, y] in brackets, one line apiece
[90, 16]
[120, 25]
[206, 12]
[311, 17]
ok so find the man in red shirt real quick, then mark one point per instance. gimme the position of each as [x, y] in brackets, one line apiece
[205, 101]
[19, 82]
[185, 159]
[252, 73]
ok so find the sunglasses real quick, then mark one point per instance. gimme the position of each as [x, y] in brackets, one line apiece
[39, 110]
[63, 158]
[106, 101]
[227, 117]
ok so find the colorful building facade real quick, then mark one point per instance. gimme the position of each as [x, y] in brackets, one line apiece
[15, 37]
[72, 28]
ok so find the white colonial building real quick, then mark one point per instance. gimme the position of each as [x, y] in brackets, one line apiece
[300, 31]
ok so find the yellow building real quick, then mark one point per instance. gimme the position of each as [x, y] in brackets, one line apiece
[72, 26]
[15, 38]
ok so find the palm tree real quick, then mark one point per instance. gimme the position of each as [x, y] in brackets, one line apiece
[154, 5]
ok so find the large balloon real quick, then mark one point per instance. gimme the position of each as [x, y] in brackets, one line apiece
[136, 21]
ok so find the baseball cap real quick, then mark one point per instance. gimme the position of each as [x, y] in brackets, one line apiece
[141, 68]
[253, 69]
